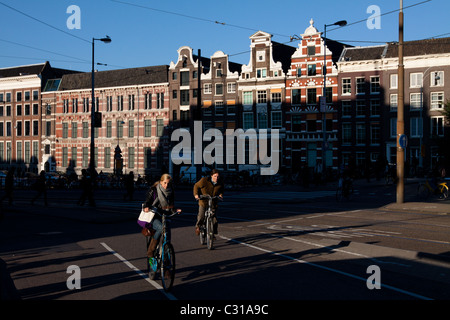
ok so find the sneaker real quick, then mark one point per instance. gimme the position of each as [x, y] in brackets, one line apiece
[153, 263]
[197, 231]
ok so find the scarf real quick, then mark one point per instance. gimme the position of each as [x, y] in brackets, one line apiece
[163, 197]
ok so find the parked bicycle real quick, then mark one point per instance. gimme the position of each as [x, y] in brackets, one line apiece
[164, 253]
[427, 188]
[207, 228]
[345, 189]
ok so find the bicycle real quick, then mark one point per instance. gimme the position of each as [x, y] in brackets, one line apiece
[425, 189]
[345, 189]
[207, 228]
[165, 253]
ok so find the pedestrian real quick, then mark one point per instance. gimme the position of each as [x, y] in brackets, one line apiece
[9, 187]
[160, 195]
[212, 186]
[129, 186]
[86, 189]
[41, 188]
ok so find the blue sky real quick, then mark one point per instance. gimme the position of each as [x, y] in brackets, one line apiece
[146, 33]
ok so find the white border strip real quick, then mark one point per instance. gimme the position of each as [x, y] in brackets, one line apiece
[139, 272]
[326, 268]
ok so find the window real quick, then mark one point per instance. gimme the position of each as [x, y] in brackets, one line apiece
[346, 108]
[66, 106]
[394, 81]
[75, 105]
[346, 133]
[360, 85]
[174, 76]
[299, 72]
[416, 127]
[415, 101]
[437, 126]
[207, 88]
[248, 120]
[437, 78]
[131, 157]
[261, 73]
[375, 133]
[311, 69]
[296, 96]
[260, 56]
[18, 128]
[184, 78]
[18, 110]
[120, 128]
[276, 119]
[374, 84]
[73, 161]
[311, 50]
[48, 129]
[360, 108]
[84, 157]
[159, 127]
[107, 157]
[147, 128]
[261, 96]
[130, 102]
[219, 108]
[184, 97]
[231, 110]
[218, 73]
[393, 102]
[375, 108]
[219, 89]
[65, 157]
[415, 80]
[147, 101]
[160, 100]
[65, 132]
[27, 96]
[18, 96]
[85, 129]
[248, 97]
[35, 95]
[231, 87]
[74, 130]
[276, 97]
[437, 100]
[130, 128]
[262, 120]
[311, 96]
[393, 127]
[360, 133]
[296, 122]
[120, 103]
[346, 86]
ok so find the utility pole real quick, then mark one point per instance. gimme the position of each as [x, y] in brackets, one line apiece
[198, 109]
[400, 113]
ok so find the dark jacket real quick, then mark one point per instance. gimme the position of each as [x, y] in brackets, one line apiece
[205, 187]
[151, 196]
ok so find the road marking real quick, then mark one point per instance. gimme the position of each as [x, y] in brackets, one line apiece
[324, 268]
[139, 272]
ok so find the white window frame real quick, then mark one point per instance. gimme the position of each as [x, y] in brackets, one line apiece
[416, 80]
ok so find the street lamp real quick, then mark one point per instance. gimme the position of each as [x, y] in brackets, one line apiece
[323, 100]
[107, 39]
[421, 114]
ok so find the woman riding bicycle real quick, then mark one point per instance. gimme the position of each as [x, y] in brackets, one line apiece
[212, 186]
[161, 196]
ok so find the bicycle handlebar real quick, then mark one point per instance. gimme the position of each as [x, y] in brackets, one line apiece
[208, 197]
[162, 212]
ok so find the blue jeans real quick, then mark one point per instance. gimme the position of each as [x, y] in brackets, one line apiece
[157, 226]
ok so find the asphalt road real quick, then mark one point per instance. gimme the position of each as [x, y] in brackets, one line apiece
[274, 244]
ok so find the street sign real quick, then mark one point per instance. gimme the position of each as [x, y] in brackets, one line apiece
[403, 141]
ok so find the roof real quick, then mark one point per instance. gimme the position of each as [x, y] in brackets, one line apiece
[116, 78]
[390, 50]
[420, 47]
[363, 53]
[23, 70]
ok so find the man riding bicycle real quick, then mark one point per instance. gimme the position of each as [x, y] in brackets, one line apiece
[212, 186]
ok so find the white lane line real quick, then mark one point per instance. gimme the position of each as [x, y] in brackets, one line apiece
[139, 272]
[326, 268]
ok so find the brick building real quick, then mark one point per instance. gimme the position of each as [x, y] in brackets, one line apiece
[134, 104]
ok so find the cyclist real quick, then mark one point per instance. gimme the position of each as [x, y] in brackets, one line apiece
[212, 186]
[161, 196]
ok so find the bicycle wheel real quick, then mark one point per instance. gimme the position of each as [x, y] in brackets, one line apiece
[210, 233]
[339, 194]
[202, 235]
[168, 267]
[443, 191]
[423, 192]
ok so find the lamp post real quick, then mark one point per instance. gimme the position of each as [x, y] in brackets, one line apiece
[323, 100]
[107, 39]
[421, 114]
